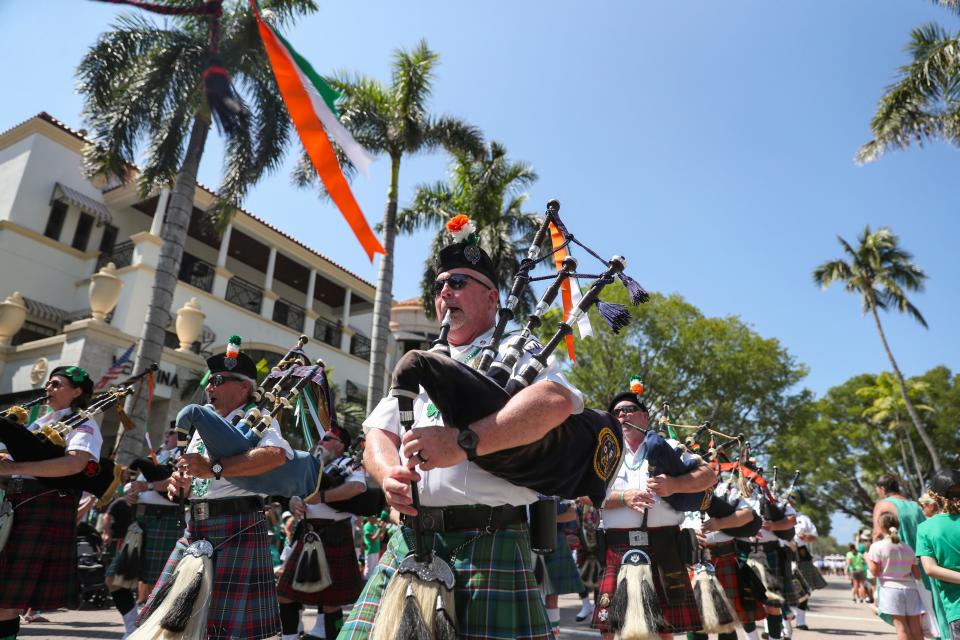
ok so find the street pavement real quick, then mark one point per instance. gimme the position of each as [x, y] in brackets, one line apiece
[832, 614]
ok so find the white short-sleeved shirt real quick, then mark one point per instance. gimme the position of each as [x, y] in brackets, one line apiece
[633, 474]
[804, 525]
[755, 501]
[85, 437]
[213, 489]
[322, 511]
[464, 483]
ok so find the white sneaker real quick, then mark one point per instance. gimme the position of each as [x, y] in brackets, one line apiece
[586, 611]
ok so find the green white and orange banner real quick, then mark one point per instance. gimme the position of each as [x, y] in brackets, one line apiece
[570, 293]
[311, 104]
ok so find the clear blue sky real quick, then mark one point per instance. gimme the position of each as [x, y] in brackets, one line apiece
[712, 144]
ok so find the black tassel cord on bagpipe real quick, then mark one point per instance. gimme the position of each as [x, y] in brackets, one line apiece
[50, 441]
[226, 106]
[579, 456]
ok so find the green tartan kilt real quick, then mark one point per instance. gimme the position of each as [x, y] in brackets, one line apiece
[557, 571]
[160, 535]
[496, 594]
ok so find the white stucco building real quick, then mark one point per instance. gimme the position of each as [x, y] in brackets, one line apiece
[57, 229]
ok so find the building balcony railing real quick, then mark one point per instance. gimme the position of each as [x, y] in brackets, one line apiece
[121, 256]
[353, 392]
[328, 332]
[196, 272]
[360, 346]
[244, 294]
[288, 314]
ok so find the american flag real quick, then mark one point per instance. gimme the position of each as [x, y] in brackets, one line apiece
[117, 368]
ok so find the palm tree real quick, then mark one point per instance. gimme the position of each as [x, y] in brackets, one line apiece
[490, 191]
[881, 273]
[143, 89]
[924, 103]
[393, 121]
[886, 409]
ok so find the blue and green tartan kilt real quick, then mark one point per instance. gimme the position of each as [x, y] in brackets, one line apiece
[808, 570]
[558, 572]
[160, 535]
[780, 571]
[496, 594]
[244, 600]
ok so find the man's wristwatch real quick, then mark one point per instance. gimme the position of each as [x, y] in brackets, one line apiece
[217, 469]
[468, 439]
[149, 486]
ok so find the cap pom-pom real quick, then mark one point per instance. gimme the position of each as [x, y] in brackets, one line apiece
[460, 227]
[233, 346]
[636, 386]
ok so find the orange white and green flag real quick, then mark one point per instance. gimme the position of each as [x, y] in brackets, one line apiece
[311, 103]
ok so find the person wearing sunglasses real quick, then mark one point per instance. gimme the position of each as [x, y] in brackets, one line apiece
[632, 508]
[38, 565]
[226, 515]
[336, 534]
[474, 515]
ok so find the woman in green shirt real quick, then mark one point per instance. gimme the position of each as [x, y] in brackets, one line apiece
[938, 545]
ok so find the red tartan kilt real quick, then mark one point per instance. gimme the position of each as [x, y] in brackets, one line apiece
[726, 566]
[680, 617]
[346, 583]
[38, 566]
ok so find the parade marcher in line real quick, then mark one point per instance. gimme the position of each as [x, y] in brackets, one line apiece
[159, 519]
[806, 535]
[589, 562]
[895, 566]
[244, 598]
[336, 534]
[938, 546]
[723, 555]
[476, 520]
[556, 570]
[38, 565]
[633, 513]
[766, 550]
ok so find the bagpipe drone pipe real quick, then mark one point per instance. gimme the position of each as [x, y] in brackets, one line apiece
[301, 476]
[370, 502]
[580, 456]
[773, 508]
[49, 441]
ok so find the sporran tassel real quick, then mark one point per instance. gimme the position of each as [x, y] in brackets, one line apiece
[634, 613]
[615, 315]
[127, 574]
[715, 610]
[444, 627]
[312, 570]
[182, 604]
[760, 568]
[638, 294]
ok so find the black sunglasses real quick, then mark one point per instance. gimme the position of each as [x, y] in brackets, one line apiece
[629, 408]
[219, 379]
[331, 438]
[456, 282]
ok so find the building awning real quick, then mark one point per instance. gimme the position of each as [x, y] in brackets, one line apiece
[44, 312]
[67, 195]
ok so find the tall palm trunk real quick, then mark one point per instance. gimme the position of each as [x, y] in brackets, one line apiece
[913, 456]
[912, 480]
[911, 410]
[383, 300]
[174, 233]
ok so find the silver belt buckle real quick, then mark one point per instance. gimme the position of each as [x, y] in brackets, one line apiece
[638, 538]
[15, 486]
[201, 510]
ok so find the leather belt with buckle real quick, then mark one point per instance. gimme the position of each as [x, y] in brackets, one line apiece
[16, 486]
[463, 518]
[158, 510]
[206, 509]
